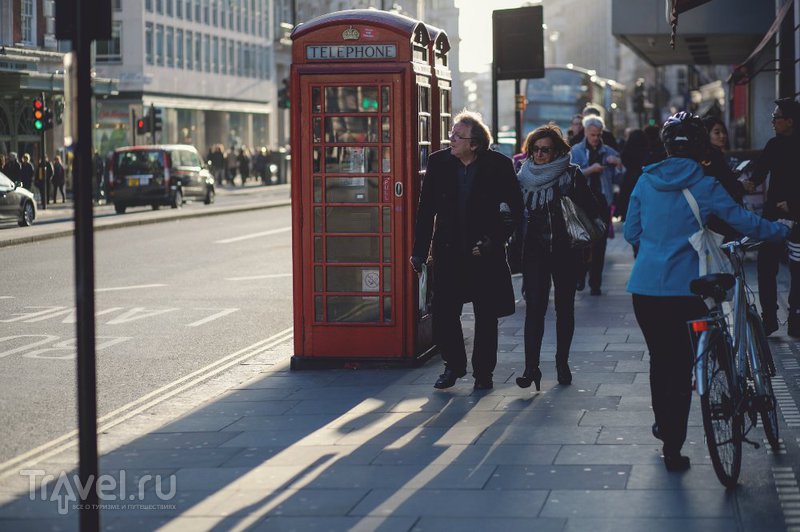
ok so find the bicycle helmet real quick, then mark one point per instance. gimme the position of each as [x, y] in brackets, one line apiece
[684, 135]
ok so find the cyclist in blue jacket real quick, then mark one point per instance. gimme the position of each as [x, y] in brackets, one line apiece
[659, 223]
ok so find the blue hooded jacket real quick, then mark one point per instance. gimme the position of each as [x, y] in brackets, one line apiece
[660, 222]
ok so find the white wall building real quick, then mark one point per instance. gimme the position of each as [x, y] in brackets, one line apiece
[206, 63]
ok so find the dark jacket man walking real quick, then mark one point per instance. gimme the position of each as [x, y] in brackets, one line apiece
[471, 195]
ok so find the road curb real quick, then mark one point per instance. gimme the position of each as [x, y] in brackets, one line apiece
[130, 222]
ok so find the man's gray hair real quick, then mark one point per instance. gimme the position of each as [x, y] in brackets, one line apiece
[593, 121]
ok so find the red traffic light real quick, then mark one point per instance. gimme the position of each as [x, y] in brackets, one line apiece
[37, 104]
[140, 124]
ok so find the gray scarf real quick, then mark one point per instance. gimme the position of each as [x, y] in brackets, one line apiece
[537, 181]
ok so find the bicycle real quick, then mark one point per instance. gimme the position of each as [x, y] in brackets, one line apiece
[733, 367]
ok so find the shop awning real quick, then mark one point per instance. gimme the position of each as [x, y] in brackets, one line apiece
[747, 69]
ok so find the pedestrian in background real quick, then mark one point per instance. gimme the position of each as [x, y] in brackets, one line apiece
[779, 160]
[244, 163]
[26, 172]
[634, 155]
[603, 168]
[59, 179]
[473, 195]
[547, 255]
[12, 168]
[43, 176]
[659, 224]
[218, 164]
[575, 131]
[232, 165]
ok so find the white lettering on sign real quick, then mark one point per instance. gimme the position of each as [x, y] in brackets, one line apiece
[328, 52]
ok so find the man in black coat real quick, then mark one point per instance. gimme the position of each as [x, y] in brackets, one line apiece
[779, 161]
[473, 195]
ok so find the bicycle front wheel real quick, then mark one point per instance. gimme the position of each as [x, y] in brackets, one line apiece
[722, 423]
[761, 373]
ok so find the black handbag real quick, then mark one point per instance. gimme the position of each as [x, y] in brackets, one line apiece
[581, 230]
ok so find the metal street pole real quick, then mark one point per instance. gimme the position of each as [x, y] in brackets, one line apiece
[84, 272]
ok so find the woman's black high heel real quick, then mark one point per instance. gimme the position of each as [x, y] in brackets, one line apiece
[563, 373]
[530, 376]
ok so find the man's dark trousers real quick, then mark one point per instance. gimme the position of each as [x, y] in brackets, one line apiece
[450, 338]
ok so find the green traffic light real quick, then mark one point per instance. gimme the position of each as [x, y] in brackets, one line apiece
[369, 103]
[37, 125]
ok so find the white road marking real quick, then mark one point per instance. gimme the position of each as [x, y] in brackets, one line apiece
[6, 297]
[138, 313]
[254, 235]
[104, 423]
[135, 287]
[251, 277]
[213, 317]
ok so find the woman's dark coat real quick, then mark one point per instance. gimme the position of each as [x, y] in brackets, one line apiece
[459, 276]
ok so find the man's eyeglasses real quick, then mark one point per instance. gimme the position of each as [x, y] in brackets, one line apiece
[778, 117]
[543, 149]
[455, 136]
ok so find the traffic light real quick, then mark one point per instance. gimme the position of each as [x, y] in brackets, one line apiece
[38, 114]
[284, 101]
[158, 124]
[520, 102]
[48, 119]
[143, 125]
[369, 103]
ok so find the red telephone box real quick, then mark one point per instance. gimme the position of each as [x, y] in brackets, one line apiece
[362, 130]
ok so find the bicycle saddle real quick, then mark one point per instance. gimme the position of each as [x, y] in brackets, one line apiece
[713, 285]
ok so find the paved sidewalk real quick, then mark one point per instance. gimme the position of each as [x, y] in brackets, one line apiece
[264, 448]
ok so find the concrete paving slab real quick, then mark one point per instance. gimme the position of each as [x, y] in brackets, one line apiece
[627, 524]
[632, 503]
[609, 454]
[491, 454]
[456, 503]
[428, 476]
[326, 524]
[492, 524]
[563, 477]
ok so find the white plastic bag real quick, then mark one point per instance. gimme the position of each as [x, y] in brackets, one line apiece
[707, 244]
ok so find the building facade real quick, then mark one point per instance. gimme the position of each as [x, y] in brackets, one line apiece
[207, 64]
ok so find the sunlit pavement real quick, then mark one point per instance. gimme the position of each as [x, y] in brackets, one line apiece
[260, 447]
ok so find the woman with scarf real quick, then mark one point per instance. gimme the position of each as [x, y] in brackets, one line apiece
[546, 175]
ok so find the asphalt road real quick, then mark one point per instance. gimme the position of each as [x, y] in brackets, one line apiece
[170, 298]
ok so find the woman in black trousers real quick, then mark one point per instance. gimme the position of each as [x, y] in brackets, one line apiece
[546, 175]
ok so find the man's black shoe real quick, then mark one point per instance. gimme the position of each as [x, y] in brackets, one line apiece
[793, 326]
[448, 378]
[580, 285]
[484, 384]
[595, 292]
[770, 323]
[676, 463]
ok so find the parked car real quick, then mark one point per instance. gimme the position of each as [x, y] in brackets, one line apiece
[16, 202]
[158, 175]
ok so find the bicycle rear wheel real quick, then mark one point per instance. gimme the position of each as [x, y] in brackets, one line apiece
[723, 425]
[762, 380]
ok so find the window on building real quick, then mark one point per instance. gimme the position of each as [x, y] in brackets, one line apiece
[239, 60]
[223, 54]
[230, 14]
[215, 55]
[148, 5]
[179, 8]
[253, 16]
[198, 43]
[110, 51]
[188, 9]
[215, 12]
[197, 8]
[231, 58]
[160, 6]
[206, 12]
[170, 46]
[159, 45]
[28, 21]
[169, 7]
[189, 48]
[117, 5]
[148, 43]
[239, 8]
[207, 52]
[179, 48]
